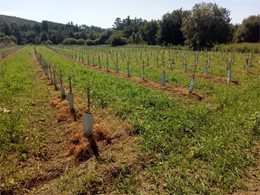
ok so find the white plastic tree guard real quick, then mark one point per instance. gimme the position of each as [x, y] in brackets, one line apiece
[63, 94]
[163, 80]
[191, 85]
[71, 102]
[88, 124]
[229, 75]
[107, 66]
[206, 68]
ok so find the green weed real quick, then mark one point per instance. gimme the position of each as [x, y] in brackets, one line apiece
[201, 146]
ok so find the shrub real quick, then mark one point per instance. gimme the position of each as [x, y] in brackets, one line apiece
[89, 42]
[70, 41]
[7, 39]
[81, 42]
[48, 42]
[118, 40]
[239, 47]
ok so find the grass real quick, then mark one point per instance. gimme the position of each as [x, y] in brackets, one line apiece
[7, 50]
[153, 68]
[239, 47]
[197, 147]
[21, 94]
[187, 146]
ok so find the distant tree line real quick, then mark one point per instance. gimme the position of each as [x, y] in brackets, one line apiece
[205, 25]
[22, 31]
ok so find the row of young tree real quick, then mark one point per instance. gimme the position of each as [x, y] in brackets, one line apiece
[203, 26]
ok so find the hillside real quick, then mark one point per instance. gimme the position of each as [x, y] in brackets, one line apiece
[13, 19]
[22, 31]
[179, 28]
[52, 25]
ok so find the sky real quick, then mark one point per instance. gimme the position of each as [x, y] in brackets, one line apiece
[102, 13]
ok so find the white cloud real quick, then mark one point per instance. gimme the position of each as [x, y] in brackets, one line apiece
[8, 13]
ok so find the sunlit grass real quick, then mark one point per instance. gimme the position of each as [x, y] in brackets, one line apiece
[198, 147]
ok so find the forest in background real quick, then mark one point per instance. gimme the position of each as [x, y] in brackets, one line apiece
[204, 26]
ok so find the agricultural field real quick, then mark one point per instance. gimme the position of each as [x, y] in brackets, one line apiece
[7, 50]
[166, 121]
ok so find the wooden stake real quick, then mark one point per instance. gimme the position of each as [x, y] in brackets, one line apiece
[88, 98]
[70, 84]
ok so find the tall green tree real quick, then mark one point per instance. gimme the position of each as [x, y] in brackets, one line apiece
[170, 27]
[118, 24]
[149, 32]
[6, 29]
[249, 30]
[17, 32]
[130, 28]
[206, 25]
[30, 37]
[44, 37]
[53, 36]
[45, 26]
[37, 28]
